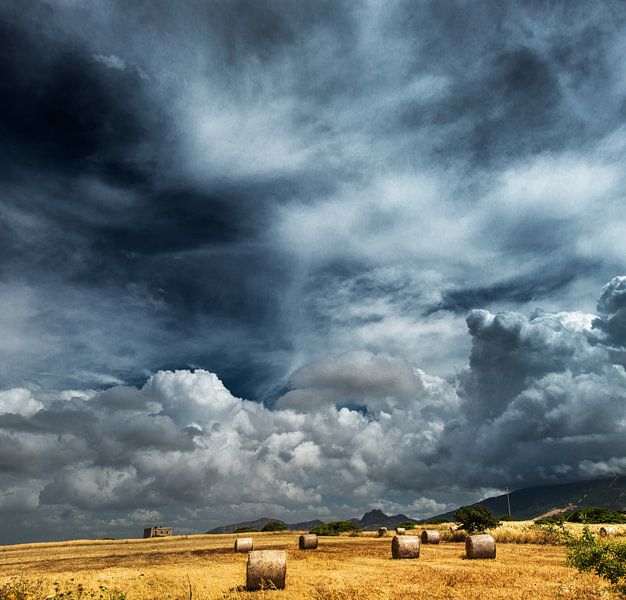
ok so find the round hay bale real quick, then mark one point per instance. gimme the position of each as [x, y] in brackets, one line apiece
[382, 531]
[405, 546]
[607, 531]
[308, 542]
[430, 536]
[480, 546]
[400, 531]
[243, 544]
[266, 570]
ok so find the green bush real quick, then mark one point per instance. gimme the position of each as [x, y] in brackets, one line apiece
[506, 518]
[606, 559]
[248, 530]
[552, 533]
[435, 521]
[588, 516]
[556, 520]
[406, 524]
[275, 526]
[335, 528]
[475, 519]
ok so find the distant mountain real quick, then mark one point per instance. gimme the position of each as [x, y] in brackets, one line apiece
[304, 525]
[374, 519]
[258, 524]
[371, 521]
[531, 502]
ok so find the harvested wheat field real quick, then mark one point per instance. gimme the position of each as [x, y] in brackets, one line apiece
[202, 567]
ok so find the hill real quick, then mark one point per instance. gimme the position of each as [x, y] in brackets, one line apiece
[532, 502]
[374, 519]
[258, 524]
[370, 521]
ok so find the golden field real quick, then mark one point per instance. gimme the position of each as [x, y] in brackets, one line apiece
[203, 567]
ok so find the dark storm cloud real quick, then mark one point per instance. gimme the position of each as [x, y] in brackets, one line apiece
[518, 290]
[157, 155]
[64, 113]
[89, 219]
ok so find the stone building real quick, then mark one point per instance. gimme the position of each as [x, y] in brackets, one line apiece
[151, 532]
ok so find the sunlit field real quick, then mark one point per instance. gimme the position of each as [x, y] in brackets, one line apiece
[205, 566]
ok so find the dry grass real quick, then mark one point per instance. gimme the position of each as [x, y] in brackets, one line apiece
[342, 568]
[524, 532]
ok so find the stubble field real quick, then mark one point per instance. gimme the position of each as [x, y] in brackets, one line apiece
[204, 567]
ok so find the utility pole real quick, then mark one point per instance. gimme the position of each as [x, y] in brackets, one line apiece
[508, 500]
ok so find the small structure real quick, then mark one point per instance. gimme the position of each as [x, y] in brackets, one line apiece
[151, 532]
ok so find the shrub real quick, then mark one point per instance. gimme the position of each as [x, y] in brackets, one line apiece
[548, 533]
[588, 516]
[335, 528]
[475, 519]
[453, 535]
[248, 530]
[556, 520]
[275, 526]
[435, 521]
[506, 518]
[606, 559]
[406, 524]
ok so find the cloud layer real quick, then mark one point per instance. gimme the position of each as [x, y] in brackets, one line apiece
[542, 400]
[295, 178]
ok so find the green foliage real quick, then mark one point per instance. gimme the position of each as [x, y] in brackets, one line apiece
[606, 559]
[590, 515]
[552, 533]
[406, 524]
[556, 520]
[275, 526]
[435, 521]
[248, 530]
[335, 528]
[475, 519]
[506, 518]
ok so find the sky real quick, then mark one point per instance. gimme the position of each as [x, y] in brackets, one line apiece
[304, 259]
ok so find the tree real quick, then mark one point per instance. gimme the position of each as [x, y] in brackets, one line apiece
[475, 519]
[335, 528]
[406, 524]
[275, 526]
